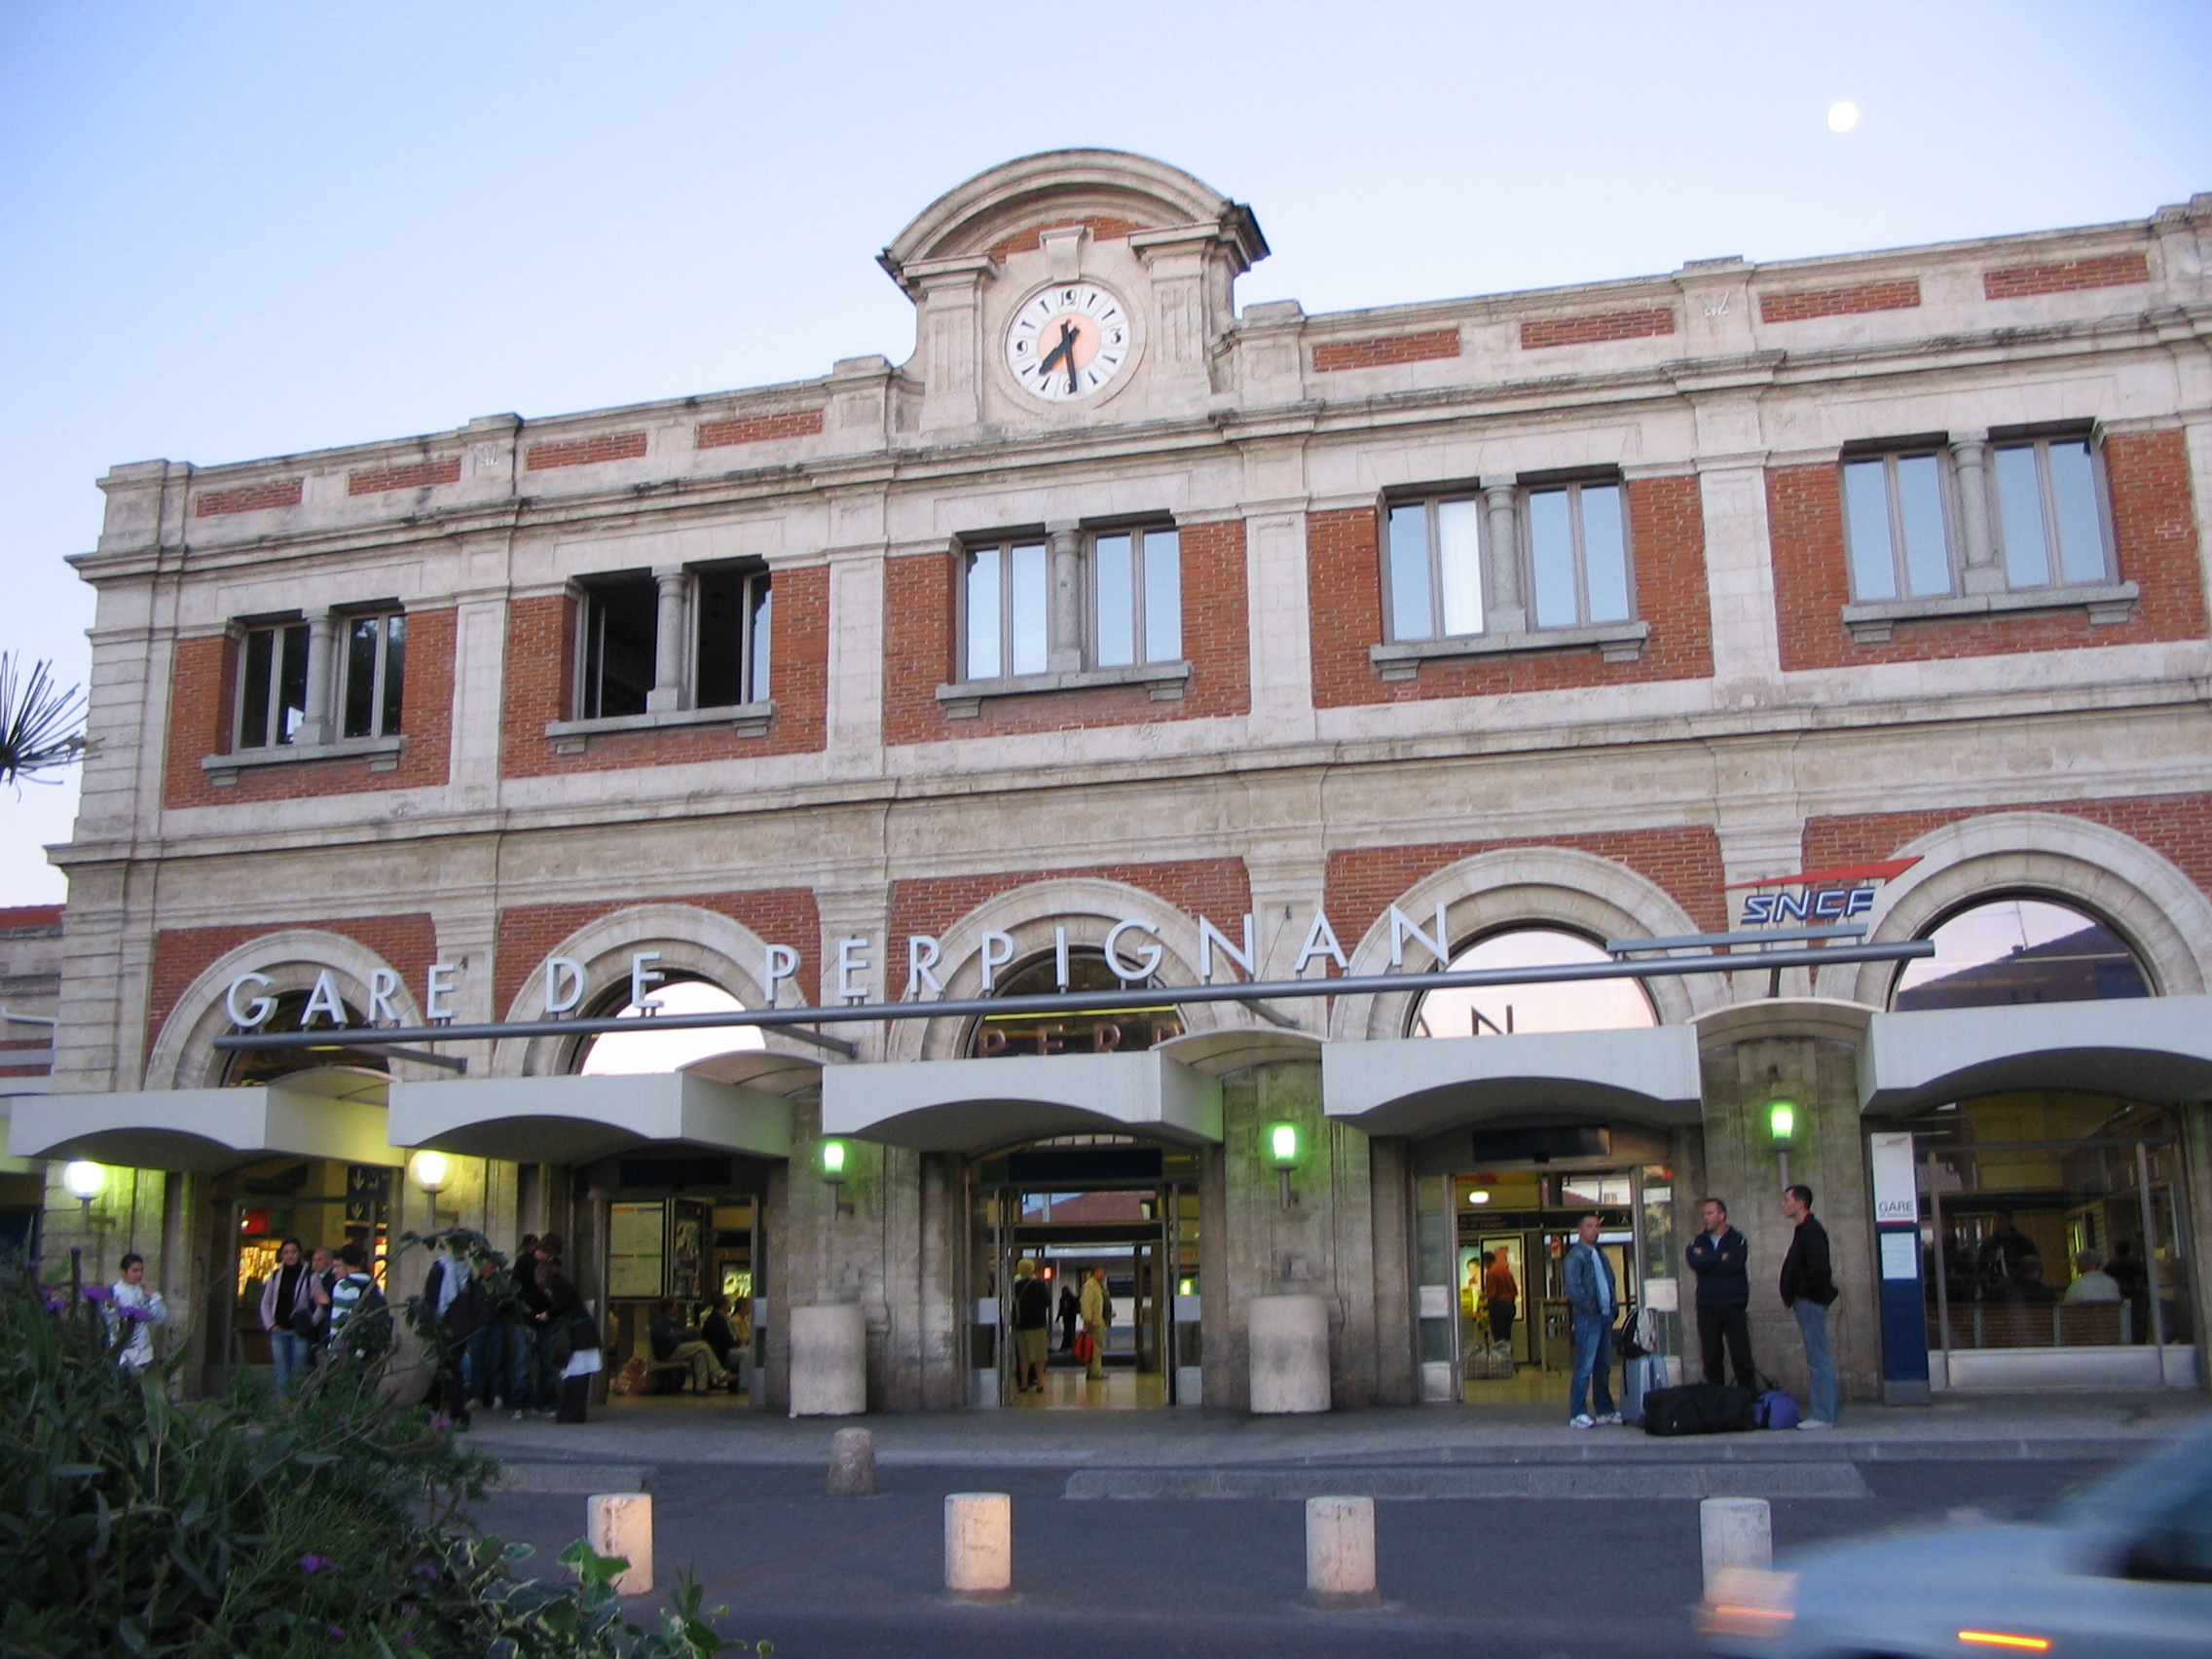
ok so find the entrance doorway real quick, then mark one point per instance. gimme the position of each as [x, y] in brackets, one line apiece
[682, 1240]
[1070, 1206]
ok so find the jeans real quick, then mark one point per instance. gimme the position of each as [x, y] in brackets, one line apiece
[530, 1341]
[1593, 1361]
[1731, 1325]
[290, 1351]
[483, 1363]
[1820, 1359]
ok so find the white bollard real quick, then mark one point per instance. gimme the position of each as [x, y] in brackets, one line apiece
[1736, 1532]
[978, 1543]
[1289, 1353]
[1340, 1546]
[852, 1463]
[828, 1348]
[621, 1524]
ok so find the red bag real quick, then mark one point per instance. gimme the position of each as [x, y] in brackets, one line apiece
[1083, 1347]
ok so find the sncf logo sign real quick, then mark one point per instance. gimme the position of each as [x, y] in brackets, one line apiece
[1818, 895]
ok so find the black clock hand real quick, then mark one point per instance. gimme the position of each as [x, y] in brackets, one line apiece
[1064, 350]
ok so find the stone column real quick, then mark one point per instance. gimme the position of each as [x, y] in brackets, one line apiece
[1508, 612]
[315, 724]
[1981, 572]
[1063, 644]
[668, 641]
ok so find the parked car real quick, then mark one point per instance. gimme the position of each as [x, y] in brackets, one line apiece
[2124, 1570]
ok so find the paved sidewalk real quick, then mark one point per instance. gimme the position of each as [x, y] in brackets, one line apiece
[681, 1433]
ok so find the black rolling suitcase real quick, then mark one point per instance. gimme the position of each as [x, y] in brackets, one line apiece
[1698, 1408]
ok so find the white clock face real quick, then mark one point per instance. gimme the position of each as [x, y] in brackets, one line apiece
[1069, 341]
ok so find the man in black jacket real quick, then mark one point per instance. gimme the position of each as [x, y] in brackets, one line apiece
[1808, 1287]
[1721, 1257]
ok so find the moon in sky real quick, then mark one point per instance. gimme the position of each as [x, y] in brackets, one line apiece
[1842, 117]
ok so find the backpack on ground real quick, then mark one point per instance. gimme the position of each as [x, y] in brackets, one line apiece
[1698, 1408]
[1774, 1409]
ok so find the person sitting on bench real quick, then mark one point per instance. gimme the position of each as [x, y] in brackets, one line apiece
[676, 1344]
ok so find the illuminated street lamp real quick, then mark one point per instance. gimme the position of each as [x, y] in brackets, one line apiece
[85, 1180]
[833, 1162]
[431, 1172]
[1282, 1146]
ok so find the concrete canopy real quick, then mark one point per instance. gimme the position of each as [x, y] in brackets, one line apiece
[577, 1120]
[326, 1113]
[1423, 1086]
[2154, 1049]
[974, 1106]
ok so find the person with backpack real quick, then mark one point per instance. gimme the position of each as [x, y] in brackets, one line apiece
[1808, 1288]
[359, 1319]
[1721, 1257]
[1032, 1327]
[1591, 1300]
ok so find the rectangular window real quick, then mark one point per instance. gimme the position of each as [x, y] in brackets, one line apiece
[620, 636]
[1434, 569]
[1577, 556]
[732, 615]
[1897, 523]
[1007, 603]
[374, 671]
[1137, 597]
[2049, 518]
[273, 684]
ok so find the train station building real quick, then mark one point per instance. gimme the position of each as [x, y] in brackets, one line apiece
[1123, 639]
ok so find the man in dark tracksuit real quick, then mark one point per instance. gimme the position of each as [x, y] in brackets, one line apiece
[1721, 1257]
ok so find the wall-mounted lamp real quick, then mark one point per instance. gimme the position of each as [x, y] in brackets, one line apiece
[84, 1179]
[1782, 1122]
[833, 1162]
[1479, 1196]
[431, 1172]
[1282, 1146]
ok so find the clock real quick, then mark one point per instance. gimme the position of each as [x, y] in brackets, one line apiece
[1068, 342]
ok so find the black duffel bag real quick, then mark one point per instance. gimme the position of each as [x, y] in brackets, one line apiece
[1699, 1408]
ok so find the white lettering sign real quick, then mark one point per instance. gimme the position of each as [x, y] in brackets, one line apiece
[1124, 969]
[923, 954]
[779, 963]
[1320, 941]
[1209, 939]
[852, 961]
[255, 1012]
[1895, 1196]
[438, 983]
[564, 986]
[383, 982]
[998, 952]
[323, 999]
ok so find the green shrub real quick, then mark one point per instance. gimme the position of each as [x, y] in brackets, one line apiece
[331, 1522]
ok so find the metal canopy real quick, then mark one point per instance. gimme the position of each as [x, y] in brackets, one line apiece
[2154, 1049]
[1423, 1086]
[578, 1119]
[328, 1113]
[972, 1106]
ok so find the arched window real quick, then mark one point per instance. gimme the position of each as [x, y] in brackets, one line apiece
[2018, 950]
[1075, 1032]
[248, 1066]
[1571, 1005]
[628, 1052]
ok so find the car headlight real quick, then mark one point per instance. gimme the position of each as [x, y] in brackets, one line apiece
[1749, 1600]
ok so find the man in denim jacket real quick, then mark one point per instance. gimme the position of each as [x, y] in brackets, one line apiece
[1593, 1302]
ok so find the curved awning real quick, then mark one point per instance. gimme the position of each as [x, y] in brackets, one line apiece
[2154, 1049]
[326, 1113]
[974, 1106]
[1424, 1085]
[577, 1119]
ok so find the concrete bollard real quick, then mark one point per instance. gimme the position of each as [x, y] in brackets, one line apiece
[1289, 1346]
[621, 1524]
[852, 1463]
[1339, 1547]
[978, 1543]
[828, 1348]
[1736, 1532]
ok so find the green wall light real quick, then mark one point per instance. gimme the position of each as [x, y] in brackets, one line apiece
[1284, 1146]
[832, 1160]
[1782, 1122]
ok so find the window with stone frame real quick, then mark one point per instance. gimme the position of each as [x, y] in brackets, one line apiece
[1432, 567]
[1131, 614]
[1506, 560]
[1579, 554]
[1897, 517]
[271, 702]
[372, 669]
[2053, 527]
[652, 641]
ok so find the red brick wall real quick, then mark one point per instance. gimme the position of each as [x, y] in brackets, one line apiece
[756, 428]
[1344, 575]
[2177, 827]
[1591, 329]
[413, 475]
[585, 451]
[2103, 270]
[1807, 303]
[1102, 229]
[408, 942]
[540, 678]
[921, 651]
[2153, 527]
[249, 498]
[14, 916]
[1685, 861]
[786, 915]
[203, 691]
[1330, 355]
[1218, 889]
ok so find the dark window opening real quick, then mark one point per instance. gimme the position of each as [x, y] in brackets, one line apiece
[730, 661]
[273, 685]
[621, 625]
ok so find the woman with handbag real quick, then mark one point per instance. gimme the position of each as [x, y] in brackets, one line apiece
[284, 1295]
[577, 1351]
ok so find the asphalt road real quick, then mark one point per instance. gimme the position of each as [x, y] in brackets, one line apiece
[855, 1578]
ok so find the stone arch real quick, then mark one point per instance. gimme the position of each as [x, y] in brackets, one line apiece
[693, 941]
[1534, 887]
[1088, 908]
[2164, 917]
[185, 1057]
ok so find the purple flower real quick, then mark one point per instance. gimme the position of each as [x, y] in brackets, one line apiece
[96, 1293]
[315, 1563]
[429, 1570]
[55, 1304]
[337, 1631]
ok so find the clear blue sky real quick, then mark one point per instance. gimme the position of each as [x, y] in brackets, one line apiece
[230, 231]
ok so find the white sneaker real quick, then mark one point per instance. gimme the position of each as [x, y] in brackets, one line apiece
[1814, 1423]
[1611, 1417]
[1585, 1420]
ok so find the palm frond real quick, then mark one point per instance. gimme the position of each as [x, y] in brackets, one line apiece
[41, 724]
